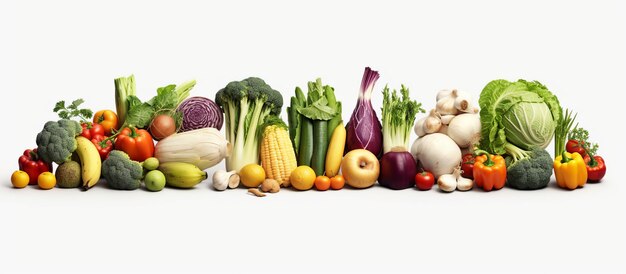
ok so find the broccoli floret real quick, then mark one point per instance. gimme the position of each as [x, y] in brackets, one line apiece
[531, 172]
[121, 172]
[57, 141]
[246, 105]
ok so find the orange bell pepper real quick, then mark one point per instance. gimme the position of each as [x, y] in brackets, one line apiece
[108, 120]
[570, 170]
[489, 171]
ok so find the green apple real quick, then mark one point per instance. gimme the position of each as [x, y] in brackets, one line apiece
[154, 180]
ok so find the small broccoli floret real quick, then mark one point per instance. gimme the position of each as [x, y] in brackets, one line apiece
[56, 142]
[246, 105]
[531, 172]
[121, 172]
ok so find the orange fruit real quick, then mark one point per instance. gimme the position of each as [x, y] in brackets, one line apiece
[322, 183]
[252, 175]
[46, 180]
[302, 178]
[337, 182]
[19, 179]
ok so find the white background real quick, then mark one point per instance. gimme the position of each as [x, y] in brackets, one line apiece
[53, 50]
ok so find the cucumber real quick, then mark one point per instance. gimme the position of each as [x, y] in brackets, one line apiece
[320, 146]
[306, 142]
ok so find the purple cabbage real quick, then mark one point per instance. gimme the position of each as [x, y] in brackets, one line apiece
[364, 129]
[200, 112]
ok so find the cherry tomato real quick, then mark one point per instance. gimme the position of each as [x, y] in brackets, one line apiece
[424, 180]
[91, 130]
[573, 146]
[467, 166]
[322, 183]
[337, 182]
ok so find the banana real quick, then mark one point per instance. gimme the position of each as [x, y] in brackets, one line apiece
[182, 175]
[335, 150]
[90, 161]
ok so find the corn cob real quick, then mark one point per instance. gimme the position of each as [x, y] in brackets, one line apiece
[277, 156]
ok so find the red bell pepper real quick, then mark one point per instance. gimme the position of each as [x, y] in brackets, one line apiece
[595, 168]
[30, 163]
[137, 143]
[104, 146]
[467, 166]
[91, 130]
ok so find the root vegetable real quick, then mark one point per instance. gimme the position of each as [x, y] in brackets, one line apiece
[462, 184]
[443, 93]
[437, 153]
[233, 181]
[464, 129]
[443, 129]
[256, 192]
[432, 123]
[447, 182]
[270, 185]
[445, 119]
[445, 105]
[419, 127]
[221, 179]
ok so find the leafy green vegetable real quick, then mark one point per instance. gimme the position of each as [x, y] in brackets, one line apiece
[517, 117]
[398, 117]
[165, 102]
[71, 111]
[124, 87]
[563, 126]
[312, 119]
[246, 105]
[319, 108]
[295, 119]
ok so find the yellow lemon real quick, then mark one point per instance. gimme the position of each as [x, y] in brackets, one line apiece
[302, 178]
[252, 175]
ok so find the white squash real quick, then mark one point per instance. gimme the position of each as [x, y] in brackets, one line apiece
[204, 148]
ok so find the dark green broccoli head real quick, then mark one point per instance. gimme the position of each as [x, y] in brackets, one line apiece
[121, 172]
[532, 172]
[56, 142]
[251, 89]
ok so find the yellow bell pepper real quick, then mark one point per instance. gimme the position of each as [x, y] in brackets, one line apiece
[570, 170]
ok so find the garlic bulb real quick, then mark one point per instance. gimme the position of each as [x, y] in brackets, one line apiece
[432, 123]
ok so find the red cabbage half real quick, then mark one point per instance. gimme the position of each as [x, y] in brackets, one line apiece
[364, 129]
[200, 112]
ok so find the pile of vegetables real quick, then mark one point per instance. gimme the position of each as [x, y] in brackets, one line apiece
[452, 127]
[578, 142]
[312, 120]
[171, 139]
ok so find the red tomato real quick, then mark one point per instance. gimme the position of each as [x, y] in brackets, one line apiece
[467, 166]
[573, 146]
[91, 130]
[424, 180]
